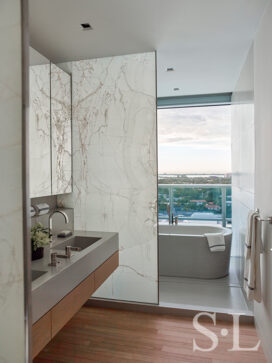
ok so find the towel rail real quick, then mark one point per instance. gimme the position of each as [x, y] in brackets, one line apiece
[268, 219]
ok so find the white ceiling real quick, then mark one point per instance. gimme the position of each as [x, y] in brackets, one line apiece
[206, 41]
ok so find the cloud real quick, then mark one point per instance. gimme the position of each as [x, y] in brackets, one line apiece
[201, 127]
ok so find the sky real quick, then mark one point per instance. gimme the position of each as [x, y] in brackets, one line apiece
[194, 140]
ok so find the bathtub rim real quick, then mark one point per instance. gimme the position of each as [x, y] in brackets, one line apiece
[227, 231]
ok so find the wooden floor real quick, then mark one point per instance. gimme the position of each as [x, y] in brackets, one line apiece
[107, 335]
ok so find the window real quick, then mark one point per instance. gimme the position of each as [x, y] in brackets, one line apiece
[194, 152]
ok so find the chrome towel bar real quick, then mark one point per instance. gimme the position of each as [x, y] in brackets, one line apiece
[268, 219]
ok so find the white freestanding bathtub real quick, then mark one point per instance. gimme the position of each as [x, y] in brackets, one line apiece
[184, 252]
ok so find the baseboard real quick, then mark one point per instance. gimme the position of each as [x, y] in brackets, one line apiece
[157, 309]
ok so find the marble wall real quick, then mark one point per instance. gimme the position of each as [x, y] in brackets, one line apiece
[115, 166]
[12, 339]
[243, 157]
[61, 131]
[50, 149]
[252, 128]
[39, 130]
[263, 170]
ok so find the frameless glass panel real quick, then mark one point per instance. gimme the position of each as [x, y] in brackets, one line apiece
[197, 204]
[163, 203]
[228, 206]
[211, 204]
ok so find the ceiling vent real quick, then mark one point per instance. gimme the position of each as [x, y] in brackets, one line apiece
[171, 69]
[86, 26]
[176, 89]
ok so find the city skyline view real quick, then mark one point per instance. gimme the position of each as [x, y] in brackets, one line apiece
[194, 140]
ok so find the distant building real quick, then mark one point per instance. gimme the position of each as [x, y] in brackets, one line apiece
[203, 216]
[198, 201]
[213, 207]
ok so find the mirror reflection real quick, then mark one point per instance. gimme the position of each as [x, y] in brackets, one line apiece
[50, 146]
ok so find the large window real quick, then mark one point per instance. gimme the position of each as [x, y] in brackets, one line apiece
[195, 164]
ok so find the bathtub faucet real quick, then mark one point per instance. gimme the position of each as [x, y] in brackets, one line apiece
[169, 213]
[171, 217]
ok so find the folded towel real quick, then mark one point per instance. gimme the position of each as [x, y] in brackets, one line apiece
[42, 208]
[216, 241]
[249, 232]
[32, 211]
[253, 248]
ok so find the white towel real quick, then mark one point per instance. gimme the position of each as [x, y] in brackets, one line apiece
[253, 248]
[249, 232]
[216, 241]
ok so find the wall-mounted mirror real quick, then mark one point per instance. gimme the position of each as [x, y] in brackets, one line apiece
[61, 131]
[39, 125]
[50, 146]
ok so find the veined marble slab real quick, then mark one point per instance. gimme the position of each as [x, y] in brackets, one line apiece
[39, 131]
[12, 333]
[61, 131]
[115, 166]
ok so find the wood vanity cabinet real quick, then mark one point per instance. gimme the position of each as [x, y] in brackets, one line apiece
[41, 333]
[54, 320]
[105, 270]
[71, 303]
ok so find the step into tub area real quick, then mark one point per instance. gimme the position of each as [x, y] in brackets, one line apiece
[192, 277]
[58, 292]
[184, 252]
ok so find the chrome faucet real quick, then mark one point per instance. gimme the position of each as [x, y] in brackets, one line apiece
[54, 260]
[50, 223]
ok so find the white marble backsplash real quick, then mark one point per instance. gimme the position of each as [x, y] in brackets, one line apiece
[12, 338]
[115, 166]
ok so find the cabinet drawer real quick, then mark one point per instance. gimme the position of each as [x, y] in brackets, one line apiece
[52, 322]
[41, 333]
[71, 303]
[105, 270]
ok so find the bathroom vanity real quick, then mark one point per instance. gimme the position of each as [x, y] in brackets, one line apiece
[58, 292]
[74, 268]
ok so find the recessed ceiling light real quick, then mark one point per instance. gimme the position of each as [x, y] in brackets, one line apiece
[176, 89]
[171, 69]
[86, 26]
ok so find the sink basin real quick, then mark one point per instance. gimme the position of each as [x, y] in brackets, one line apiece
[35, 274]
[77, 241]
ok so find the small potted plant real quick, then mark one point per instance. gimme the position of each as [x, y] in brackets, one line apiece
[39, 239]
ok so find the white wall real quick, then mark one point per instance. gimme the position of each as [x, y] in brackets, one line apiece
[12, 341]
[243, 150]
[263, 171]
[115, 166]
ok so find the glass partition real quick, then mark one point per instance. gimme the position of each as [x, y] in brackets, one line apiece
[195, 202]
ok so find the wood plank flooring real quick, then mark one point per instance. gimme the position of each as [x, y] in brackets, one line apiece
[109, 335]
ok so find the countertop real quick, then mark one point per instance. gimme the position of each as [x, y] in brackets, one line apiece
[59, 280]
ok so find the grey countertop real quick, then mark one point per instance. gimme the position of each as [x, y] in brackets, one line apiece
[59, 280]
